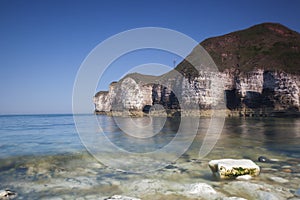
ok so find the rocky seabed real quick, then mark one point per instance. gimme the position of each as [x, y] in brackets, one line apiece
[184, 179]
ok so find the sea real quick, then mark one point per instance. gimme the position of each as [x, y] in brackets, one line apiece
[65, 156]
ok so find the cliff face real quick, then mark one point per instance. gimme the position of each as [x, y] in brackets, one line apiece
[263, 91]
[257, 92]
[259, 75]
[137, 92]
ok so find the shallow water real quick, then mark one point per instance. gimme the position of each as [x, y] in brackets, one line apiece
[42, 157]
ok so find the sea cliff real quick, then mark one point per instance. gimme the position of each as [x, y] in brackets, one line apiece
[258, 75]
[255, 93]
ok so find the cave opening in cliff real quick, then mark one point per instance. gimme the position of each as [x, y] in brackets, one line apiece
[146, 109]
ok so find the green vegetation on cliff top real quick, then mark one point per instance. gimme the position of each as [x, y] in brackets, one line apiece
[270, 46]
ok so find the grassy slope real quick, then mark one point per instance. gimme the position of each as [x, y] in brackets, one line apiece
[269, 45]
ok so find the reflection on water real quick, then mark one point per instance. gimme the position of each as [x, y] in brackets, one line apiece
[130, 147]
[275, 134]
[139, 135]
[56, 134]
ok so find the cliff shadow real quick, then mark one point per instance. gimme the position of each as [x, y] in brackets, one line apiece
[268, 89]
[253, 99]
[233, 100]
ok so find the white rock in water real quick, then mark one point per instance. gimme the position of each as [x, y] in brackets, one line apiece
[233, 198]
[274, 160]
[232, 168]
[278, 179]
[119, 197]
[202, 191]
[201, 188]
[7, 194]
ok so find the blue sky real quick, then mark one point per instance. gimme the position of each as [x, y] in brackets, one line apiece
[44, 42]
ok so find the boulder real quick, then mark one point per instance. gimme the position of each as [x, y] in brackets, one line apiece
[232, 168]
[7, 194]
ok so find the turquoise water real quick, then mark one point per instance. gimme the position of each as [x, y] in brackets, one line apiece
[37, 135]
[42, 156]
[56, 134]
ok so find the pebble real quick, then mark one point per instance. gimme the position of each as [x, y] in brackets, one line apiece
[269, 170]
[262, 159]
[278, 179]
[287, 170]
[286, 167]
[293, 161]
[195, 161]
[171, 167]
[276, 167]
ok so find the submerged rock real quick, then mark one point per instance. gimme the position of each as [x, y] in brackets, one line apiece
[278, 179]
[119, 197]
[263, 159]
[286, 167]
[244, 177]
[257, 191]
[150, 187]
[297, 193]
[202, 190]
[232, 168]
[274, 160]
[233, 198]
[7, 194]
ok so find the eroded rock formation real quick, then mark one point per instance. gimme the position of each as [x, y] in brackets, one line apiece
[257, 92]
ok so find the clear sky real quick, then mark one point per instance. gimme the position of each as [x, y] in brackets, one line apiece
[44, 42]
